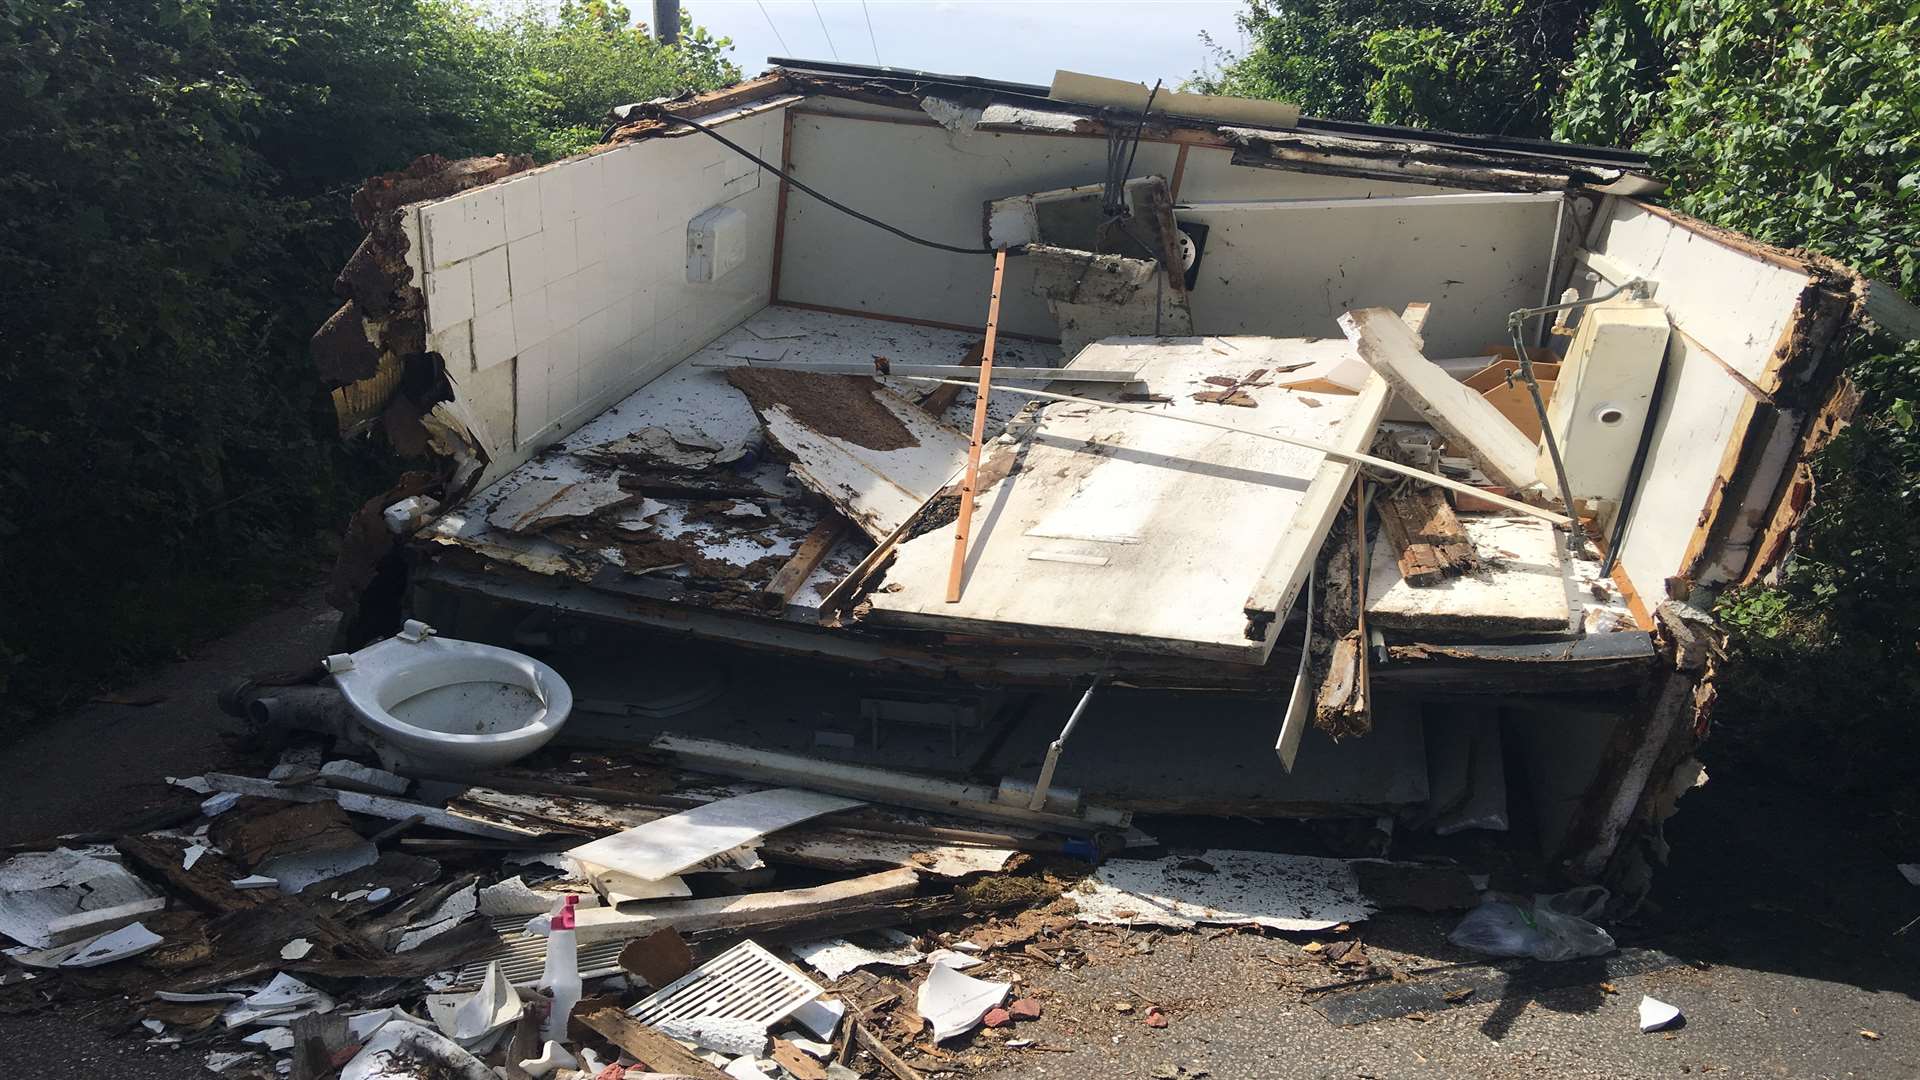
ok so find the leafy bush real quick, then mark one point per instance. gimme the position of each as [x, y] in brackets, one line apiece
[1461, 65]
[1795, 121]
[173, 185]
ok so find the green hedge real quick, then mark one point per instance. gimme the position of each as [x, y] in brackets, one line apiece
[173, 207]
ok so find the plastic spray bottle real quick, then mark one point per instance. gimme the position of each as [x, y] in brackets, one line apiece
[561, 978]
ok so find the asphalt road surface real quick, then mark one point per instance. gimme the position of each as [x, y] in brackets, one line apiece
[1782, 904]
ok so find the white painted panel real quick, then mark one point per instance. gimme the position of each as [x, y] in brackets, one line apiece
[936, 184]
[1734, 304]
[1292, 272]
[590, 294]
[932, 184]
[1698, 417]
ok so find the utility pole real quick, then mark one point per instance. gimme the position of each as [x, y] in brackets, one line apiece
[666, 21]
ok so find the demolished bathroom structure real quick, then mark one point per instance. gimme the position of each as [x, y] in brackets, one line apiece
[694, 436]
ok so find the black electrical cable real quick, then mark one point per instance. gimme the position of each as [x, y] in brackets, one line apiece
[657, 113]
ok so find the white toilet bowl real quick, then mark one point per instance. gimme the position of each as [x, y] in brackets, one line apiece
[433, 702]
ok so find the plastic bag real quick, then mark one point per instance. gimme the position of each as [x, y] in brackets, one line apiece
[1555, 927]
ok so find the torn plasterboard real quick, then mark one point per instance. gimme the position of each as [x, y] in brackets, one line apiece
[39, 887]
[659, 447]
[1096, 296]
[1519, 588]
[834, 957]
[1470, 422]
[875, 455]
[666, 846]
[540, 503]
[1246, 888]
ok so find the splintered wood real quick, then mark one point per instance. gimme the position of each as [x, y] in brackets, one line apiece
[1427, 538]
[1337, 645]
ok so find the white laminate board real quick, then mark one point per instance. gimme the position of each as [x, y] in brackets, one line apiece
[1466, 418]
[1520, 588]
[1131, 529]
[666, 846]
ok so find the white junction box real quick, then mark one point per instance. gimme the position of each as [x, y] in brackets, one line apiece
[716, 243]
[1600, 402]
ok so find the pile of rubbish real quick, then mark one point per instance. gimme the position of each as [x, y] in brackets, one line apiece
[607, 919]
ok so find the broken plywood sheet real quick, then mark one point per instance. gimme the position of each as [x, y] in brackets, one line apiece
[875, 455]
[1231, 888]
[666, 846]
[1133, 529]
[1520, 587]
[1471, 423]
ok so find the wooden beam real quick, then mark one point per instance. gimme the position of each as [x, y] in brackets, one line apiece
[656, 1051]
[1470, 422]
[969, 487]
[887, 1058]
[941, 398]
[780, 205]
[778, 593]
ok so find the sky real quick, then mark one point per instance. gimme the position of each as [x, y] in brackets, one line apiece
[1139, 40]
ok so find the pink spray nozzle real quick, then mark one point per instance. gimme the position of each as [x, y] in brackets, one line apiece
[564, 919]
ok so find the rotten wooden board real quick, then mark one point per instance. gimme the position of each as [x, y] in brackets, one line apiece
[1106, 527]
[871, 452]
[1469, 421]
[1520, 587]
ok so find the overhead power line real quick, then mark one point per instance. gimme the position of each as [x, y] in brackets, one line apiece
[776, 30]
[823, 29]
[875, 42]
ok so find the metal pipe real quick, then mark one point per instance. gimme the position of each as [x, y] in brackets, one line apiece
[1041, 786]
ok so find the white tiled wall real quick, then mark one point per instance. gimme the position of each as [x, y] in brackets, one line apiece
[553, 294]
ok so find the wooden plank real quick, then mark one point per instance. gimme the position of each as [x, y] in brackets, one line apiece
[797, 1061]
[1470, 423]
[887, 1058]
[969, 487]
[780, 205]
[1427, 537]
[778, 593]
[752, 910]
[370, 805]
[1523, 590]
[657, 1052]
